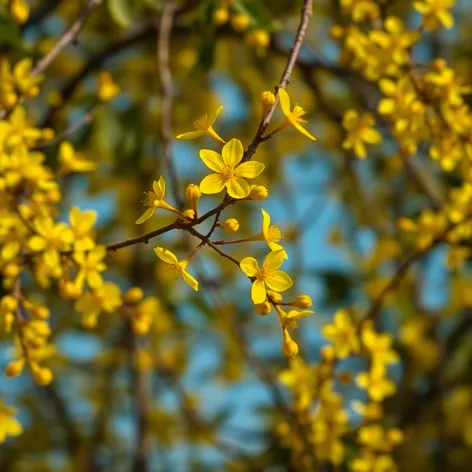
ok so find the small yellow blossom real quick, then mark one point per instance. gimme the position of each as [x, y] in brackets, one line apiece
[9, 426]
[376, 382]
[72, 161]
[343, 334]
[359, 132]
[105, 298]
[361, 9]
[267, 275]
[293, 117]
[204, 127]
[90, 265]
[107, 88]
[228, 173]
[155, 200]
[81, 225]
[435, 13]
[178, 268]
[231, 225]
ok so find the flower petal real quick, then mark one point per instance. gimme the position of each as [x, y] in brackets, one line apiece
[274, 260]
[36, 243]
[212, 160]
[238, 187]
[265, 221]
[159, 188]
[212, 118]
[213, 183]
[249, 170]
[190, 280]
[284, 102]
[191, 135]
[145, 216]
[258, 292]
[232, 152]
[304, 131]
[249, 266]
[165, 255]
[278, 281]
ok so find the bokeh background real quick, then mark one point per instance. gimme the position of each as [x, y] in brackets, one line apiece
[219, 399]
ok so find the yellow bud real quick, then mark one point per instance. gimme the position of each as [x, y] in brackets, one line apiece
[193, 193]
[263, 308]
[42, 312]
[395, 435]
[133, 295]
[15, 368]
[20, 10]
[327, 354]
[11, 270]
[258, 193]
[107, 89]
[336, 32]
[9, 303]
[302, 301]
[70, 290]
[282, 429]
[53, 196]
[276, 296]
[220, 16]
[231, 225]
[48, 134]
[439, 64]
[189, 213]
[258, 38]
[289, 346]
[41, 375]
[240, 22]
[267, 100]
[405, 224]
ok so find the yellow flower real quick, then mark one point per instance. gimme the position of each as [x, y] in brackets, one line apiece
[376, 382]
[343, 334]
[72, 161]
[204, 127]
[435, 13]
[379, 346]
[155, 200]
[20, 10]
[361, 9]
[178, 268]
[291, 317]
[293, 117]
[228, 173]
[9, 426]
[360, 131]
[91, 304]
[90, 266]
[107, 88]
[51, 238]
[81, 224]
[267, 275]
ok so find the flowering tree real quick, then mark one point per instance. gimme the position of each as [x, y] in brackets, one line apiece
[139, 333]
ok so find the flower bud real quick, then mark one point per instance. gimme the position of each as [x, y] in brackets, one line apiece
[41, 375]
[276, 296]
[263, 308]
[336, 32]
[231, 225]
[302, 301]
[240, 22]
[11, 270]
[9, 303]
[327, 354]
[220, 16]
[20, 10]
[15, 368]
[107, 88]
[133, 295]
[189, 214]
[258, 38]
[267, 100]
[258, 193]
[289, 346]
[70, 290]
[193, 193]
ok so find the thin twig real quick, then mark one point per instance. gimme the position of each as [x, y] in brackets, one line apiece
[163, 47]
[68, 36]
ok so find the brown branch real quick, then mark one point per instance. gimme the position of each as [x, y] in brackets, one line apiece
[68, 36]
[163, 48]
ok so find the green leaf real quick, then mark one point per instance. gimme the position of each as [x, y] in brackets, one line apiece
[122, 11]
